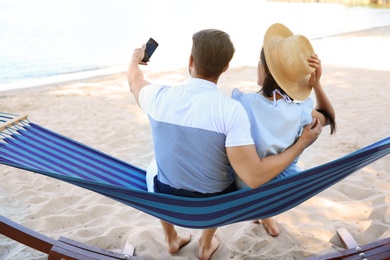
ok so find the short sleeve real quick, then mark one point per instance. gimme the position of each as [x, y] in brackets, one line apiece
[236, 94]
[307, 109]
[147, 95]
[239, 132]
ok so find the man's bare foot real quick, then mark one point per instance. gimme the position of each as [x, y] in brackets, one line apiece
[205, 252]
[269, 225]
[178, 242]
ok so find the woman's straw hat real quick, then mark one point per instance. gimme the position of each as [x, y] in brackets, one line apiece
[287, 59]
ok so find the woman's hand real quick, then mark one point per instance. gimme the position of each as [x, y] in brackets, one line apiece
[315, 62]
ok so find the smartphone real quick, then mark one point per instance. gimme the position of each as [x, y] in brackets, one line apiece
[151, 46]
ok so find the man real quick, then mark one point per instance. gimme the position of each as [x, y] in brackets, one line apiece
[200, 135]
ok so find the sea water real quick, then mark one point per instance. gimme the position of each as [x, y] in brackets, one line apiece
[45, 41]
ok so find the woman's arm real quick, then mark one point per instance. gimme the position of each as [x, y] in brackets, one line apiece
[324, 110]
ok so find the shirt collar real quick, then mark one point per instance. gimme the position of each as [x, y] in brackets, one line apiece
[200, 83]
[285, 97]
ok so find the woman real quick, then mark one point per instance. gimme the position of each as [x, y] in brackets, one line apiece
[287, 71]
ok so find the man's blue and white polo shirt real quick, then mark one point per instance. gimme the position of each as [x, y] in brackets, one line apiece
[192, 124]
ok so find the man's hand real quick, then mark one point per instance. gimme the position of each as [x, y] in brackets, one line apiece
[310, 133]
[138, 55]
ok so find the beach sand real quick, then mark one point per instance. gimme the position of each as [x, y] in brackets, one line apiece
[102, 113]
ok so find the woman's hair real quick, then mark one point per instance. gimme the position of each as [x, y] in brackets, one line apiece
[331, 119]
[270, 85]
[212, 50]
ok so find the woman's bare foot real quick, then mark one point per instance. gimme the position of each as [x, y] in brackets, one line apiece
[178, 242]
[205, 251]
[269, 225]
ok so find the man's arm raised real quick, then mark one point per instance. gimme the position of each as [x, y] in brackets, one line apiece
[135, 77]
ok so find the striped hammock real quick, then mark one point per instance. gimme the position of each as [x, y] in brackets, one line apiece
[28, 146]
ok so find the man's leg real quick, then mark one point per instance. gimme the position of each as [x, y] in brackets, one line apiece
[208, 243]
[175, 242]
